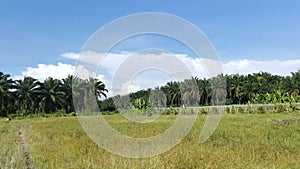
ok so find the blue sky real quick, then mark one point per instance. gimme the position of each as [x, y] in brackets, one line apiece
[41, 32]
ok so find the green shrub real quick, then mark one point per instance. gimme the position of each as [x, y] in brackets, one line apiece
[73, 114]
[293, 107]
[204, 111]
[23, 113]
[108, 112]
[233, 111]
[170, 111]
[261, 110]
[280, 108]
[241, 110]
[249, 109]
[227, 110]
[59, 113]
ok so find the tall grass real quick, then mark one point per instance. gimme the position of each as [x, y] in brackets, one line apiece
[240, 141]
[11, 153]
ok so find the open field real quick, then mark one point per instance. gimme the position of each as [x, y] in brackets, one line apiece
[240, 141]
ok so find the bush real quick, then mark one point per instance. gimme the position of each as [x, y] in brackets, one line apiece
[170, 111]
[73, 114]
[204, 111]
[107, 112]
[293, 107]
[233, 111]
[261, 110]
[280, 108]
[249, 110]
[241, 110]
[23, 113]
[60, 113]
[297, 107]
[227, 110]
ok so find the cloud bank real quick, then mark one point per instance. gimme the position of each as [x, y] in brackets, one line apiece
[112, 61]
[43, 71]
[197, 65]
[59, 71]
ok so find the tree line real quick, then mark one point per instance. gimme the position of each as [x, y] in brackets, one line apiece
[30, 96]
[255, 88]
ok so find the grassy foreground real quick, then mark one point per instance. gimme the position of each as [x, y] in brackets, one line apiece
[240, 141]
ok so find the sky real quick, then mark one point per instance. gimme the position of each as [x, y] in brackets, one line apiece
[44, 38]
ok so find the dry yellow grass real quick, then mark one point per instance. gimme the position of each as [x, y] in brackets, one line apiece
[240, 141]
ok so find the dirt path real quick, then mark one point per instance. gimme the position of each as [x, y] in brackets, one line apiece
[25, 151]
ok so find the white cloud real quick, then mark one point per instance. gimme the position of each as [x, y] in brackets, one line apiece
[129, 88]
[59, 71]
[244, 66]
[113, 61]
[200, 67]
[42, 71]
[71, 55]
[278, 67]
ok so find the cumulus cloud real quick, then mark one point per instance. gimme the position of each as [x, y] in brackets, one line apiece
[113, 62]
[128, 87]
[278, 67]
[59, 71]
[200, 67]
[43, 71]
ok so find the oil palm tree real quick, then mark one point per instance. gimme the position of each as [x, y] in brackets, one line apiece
[294, 87]
[218, 85]
[172, 92]
[190, 91]
[51, 95]
[204, 91]
[27, 91]
[100, 89]
[67, 89]
[6, 96]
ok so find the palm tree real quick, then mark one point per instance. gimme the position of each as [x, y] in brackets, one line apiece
[218, 85]
[78, 93]
[237, 88]
[294, 87]
[100, 89]
[67, 89]
[204, 91]
[172, 92]
[86, 93]
[5, 95]
[51, 95]
[27, 93]
[190, 91]
[157, 98]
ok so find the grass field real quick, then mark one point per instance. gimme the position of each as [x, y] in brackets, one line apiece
[240, 141]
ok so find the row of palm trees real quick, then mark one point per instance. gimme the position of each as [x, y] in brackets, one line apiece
[233, 89]
[30, 96]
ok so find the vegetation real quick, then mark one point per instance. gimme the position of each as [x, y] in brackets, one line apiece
[240, 141]
[256, 88]
[29, 97]
[251, 134]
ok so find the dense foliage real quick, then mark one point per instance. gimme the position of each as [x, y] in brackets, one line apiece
[29, 96]
[256, 88]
